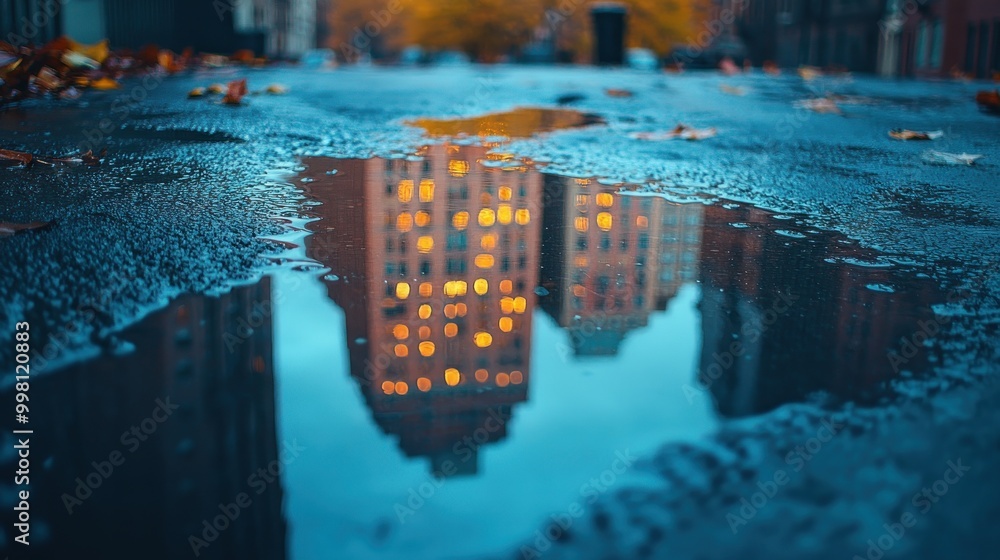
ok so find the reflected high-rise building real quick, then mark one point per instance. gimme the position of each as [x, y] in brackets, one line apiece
[436, 260]
[611, 259]
[211, 358]
[785, 315]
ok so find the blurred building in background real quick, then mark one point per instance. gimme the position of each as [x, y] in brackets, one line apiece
[891, 37]
[826, 33]
[272, 28]
[940, 38]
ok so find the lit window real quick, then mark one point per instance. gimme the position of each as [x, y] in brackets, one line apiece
[425, 243]
[486, 217]
[424, 384]
[404, 222]
[402, 290]
[481, 286]
[505, 193]
[484, 260]
[581, 261]
[401, 388]
[488, 241]
[423, 219]
[520, 304]
[458, 168]
[483, 339]
[400, 332]
[642, 221]
[424, 311]
[504, 214]
[452, 376]
[388, 387]
[581, 200]
[604, 200]
[401, 350]
[516, 377]
[463, 287]
[427, 190]
[582, 224]
[604, 221]
[482, 375]
[522, 217]
[506, 324]
[450, 330]
[502, 379]
[507, 304]
[461, 309]
[424, 332]
[506, 286]
[426, 289]
[426, 348]
[460, 220]
[449, 311]
[405, 192]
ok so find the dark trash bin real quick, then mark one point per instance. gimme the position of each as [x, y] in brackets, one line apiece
[609, 34]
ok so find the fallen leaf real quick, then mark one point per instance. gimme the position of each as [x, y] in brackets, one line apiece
[945, 158]
[235, 92]
[216, 89]
[681, 131]
[97, 52]
[904, 134]
[728, 67]
[809, 73]
[11, 155]
[85, 158]
[10, 228]
[276, 89]
[819, 105]
[105, 83]
[989, 101]
[613, 92]
[196, 92]
[46, 79]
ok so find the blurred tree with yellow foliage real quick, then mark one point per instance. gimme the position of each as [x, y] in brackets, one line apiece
[658, 25]
[483, 29]
[359, 28]
[487, 30]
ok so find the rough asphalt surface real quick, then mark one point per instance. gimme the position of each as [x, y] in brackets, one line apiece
[189, 187]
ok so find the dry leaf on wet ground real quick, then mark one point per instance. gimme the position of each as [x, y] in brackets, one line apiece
[905, 134]
[11, 228]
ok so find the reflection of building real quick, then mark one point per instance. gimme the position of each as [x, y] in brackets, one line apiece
[212, 358]
[437, 261]
[610, 259]
[761, 350]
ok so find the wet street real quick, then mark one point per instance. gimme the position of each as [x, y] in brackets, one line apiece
[507, 312]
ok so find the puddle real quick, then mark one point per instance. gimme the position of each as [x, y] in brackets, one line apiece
[451, 354]
[517, 123]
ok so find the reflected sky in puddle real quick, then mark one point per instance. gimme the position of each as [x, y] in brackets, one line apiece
[458, 350]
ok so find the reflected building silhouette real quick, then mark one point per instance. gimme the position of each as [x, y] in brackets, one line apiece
[609, 260]
[762, 348]
[436, 259]
[212, 358]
